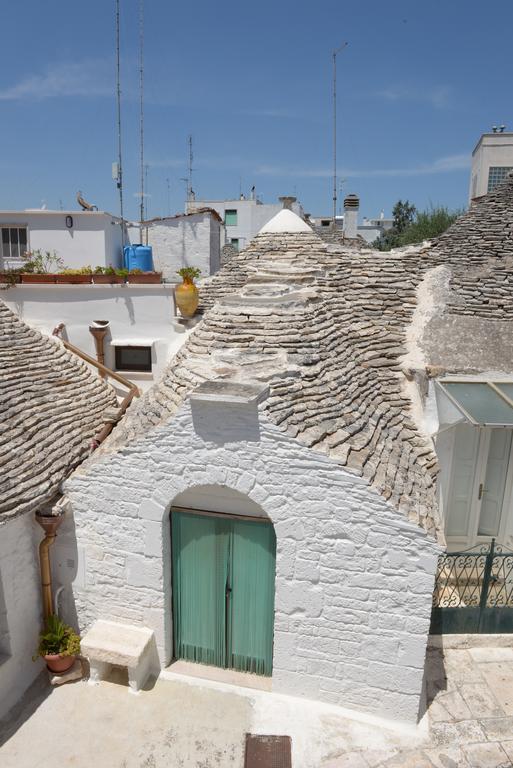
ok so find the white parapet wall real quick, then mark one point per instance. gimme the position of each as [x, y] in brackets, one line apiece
[138, 315]
[20, 608]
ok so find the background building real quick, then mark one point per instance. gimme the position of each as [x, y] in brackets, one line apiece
[243, 218]
[80, 238]
[185, 240]
[492, 160]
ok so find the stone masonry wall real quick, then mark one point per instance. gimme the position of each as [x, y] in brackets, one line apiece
[354, 579]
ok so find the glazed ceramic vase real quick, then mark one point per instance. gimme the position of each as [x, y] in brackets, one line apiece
[187, 297]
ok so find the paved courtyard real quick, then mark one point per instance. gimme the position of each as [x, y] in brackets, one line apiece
[196, 724]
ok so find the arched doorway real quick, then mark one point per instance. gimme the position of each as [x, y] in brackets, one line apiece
[223, 571]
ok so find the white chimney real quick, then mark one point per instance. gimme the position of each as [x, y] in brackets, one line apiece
[351, 206]
[287, 201]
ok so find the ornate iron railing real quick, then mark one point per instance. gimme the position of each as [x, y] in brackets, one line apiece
[469, 587]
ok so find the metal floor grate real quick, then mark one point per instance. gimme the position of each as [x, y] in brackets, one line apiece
[268, 751]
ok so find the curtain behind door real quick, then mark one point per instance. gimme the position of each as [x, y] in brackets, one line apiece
[251, 614]
[200, 571]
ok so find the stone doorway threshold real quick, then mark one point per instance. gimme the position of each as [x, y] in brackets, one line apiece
[218, 675]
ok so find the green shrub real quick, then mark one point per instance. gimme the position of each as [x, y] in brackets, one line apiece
[57, 637]
[189, 273]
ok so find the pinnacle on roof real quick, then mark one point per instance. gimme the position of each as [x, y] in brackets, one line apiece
[286, 221]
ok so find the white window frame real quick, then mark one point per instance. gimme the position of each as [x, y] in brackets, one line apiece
[10, 257]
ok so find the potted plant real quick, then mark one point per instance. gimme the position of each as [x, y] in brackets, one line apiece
[186, 294]
[138, 276]
[40, 266]
[59, 645]
[10, 277]
[106, 276]
[73, 276]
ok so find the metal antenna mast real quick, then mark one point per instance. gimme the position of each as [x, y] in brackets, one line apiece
[189, 186]
[141, 105]
[337, 51]
[118, 100]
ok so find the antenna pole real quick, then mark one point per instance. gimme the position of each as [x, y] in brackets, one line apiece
[189, 186]
[118, 102]
[141, 106]
[335, 132]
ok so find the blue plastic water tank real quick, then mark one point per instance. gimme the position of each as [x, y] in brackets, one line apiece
[138, 257]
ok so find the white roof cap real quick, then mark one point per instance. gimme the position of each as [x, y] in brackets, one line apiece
[286, 221]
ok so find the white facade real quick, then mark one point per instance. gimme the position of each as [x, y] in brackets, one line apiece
[249, 214]
[20, 607]
[354, 578]
[139, 315]
[192, 240]
[80, 238]
[492, 158]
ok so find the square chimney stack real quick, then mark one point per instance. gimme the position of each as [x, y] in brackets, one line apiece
[351, 207]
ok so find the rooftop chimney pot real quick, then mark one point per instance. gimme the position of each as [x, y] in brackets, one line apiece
[286, 201]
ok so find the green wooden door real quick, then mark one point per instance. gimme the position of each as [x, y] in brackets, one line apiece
[223, 591]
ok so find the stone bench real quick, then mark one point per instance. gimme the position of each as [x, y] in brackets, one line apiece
[108, 643]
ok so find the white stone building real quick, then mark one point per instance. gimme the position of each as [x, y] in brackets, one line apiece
[492, 160]
[278, 501]
[80, 238]
[184, 240]
[243, 217]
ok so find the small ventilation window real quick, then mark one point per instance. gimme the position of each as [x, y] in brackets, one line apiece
[496, 174]
[133, 358]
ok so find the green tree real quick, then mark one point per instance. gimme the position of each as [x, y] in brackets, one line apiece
[411, 226]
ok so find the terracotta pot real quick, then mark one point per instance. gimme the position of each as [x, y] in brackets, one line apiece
[73, 279]
[107, 279]
[187, 298]
[58, 663]
[146, 277]
[36, 277]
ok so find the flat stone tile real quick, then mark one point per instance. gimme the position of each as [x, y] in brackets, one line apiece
[409, 760]
[481, 701]
[466, 732]
[486, 756]
[437, 712]
[508, 748]
[460, 667]
[447, 757]
[499, 677]
[488, 655]
[349, 760]
[378, 757]
[498, 728]
[455, 705]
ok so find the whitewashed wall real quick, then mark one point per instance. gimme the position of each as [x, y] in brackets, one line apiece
[20, 608]
[144, 313]
[94, 239]
[182, 241]
[354, 579]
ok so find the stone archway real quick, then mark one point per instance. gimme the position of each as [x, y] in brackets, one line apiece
[223, 550]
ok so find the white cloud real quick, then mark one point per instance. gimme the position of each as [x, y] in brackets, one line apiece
[93, 77]
[439, 96]
[441, 165]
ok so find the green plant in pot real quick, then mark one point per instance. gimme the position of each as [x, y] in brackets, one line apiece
[186, 294]
[59, 645]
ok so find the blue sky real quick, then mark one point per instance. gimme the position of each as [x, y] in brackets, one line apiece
[418, 83]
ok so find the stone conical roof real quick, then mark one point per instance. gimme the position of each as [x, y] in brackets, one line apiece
[51, 405]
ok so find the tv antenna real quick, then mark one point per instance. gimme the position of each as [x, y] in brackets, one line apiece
[119, 168]
[189, 168]
[141, 107]
[335, 53]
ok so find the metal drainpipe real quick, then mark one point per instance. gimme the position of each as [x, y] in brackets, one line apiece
[49, 524]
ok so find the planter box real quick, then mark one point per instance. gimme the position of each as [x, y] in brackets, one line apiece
[10, 277]
[73, 279]
[27, 277]
[107, 279]
[146, 277]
